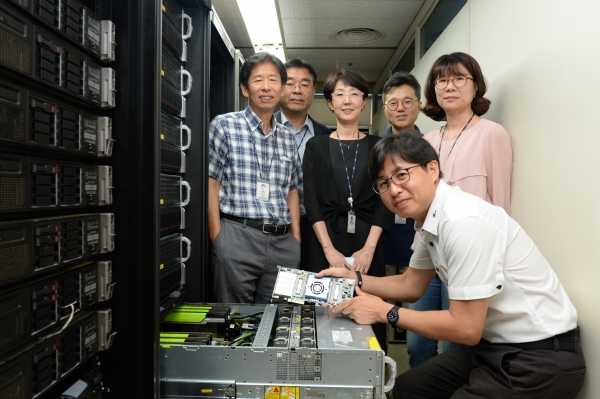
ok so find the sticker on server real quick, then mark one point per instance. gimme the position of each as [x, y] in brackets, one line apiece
[341, 336]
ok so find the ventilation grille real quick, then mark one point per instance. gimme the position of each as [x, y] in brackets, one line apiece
[170, 97]
[170, 279]
[170, 157]
[13, 193]
[16, 388]
[15, 262]
[171, 69]
[15, 52]
[12, 122]
[170, 251]
[170, 190]
[172, 37]
[170, 129]
[12, 322]
[172, 9]
[292, 366]
[170, 218]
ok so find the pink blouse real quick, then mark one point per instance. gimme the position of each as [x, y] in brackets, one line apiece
[480, 163]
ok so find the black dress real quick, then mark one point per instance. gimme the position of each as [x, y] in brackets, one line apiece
[326, 195]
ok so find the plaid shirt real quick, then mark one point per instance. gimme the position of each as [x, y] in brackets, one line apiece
[234, 162]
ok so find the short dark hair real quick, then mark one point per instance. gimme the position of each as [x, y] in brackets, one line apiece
[350, 77]
[300, 63]
[257, 59]
[449, 64]
[402, 78]
[408, 145]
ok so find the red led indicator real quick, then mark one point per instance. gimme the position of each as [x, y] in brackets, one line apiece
[53, 297]
[53, 347]
[52, 109]
[54, 169]
[56, 228]
[53, 287]
[58, 49]
[55, 238]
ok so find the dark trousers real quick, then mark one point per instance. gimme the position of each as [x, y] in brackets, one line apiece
[494, 371]
[306, 233]
[245, 262]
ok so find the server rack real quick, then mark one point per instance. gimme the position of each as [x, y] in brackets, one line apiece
[52, 76]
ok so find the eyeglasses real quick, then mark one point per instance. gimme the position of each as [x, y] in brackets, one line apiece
[458, 82]
[399, 178]
[407, 103]
[303, 86]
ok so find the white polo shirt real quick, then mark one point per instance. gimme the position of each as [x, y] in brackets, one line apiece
[480, 252]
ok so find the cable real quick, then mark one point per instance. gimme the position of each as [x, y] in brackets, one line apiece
[72, 306]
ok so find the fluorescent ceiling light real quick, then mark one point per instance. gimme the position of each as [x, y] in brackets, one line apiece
[260, 17]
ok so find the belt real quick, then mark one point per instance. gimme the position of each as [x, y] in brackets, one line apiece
[266, 228]
[568, 341]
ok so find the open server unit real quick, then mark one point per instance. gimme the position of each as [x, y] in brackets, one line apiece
[269, 352]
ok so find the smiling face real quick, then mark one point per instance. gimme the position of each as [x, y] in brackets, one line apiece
[402, 118]
[454, 99]
[298, 93]
[413, 198]
[264, 88]
[346, 102]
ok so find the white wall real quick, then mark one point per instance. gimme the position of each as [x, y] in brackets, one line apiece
[540, 59]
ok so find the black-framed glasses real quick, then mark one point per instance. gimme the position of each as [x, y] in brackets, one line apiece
[407, 103]
[459, 81]
[400, 177]
[303, 86]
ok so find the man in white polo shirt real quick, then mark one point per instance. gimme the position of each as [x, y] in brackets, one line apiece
[514, 324]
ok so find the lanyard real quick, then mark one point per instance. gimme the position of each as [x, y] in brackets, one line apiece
[455, 140]
[260, 169]
[350, 200]
[306, 131]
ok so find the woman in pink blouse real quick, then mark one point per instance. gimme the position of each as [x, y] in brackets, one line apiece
[475, 155]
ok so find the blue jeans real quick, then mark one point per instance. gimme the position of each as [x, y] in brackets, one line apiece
[421, 349]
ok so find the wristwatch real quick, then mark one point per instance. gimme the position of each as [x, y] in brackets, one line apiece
[392, 315]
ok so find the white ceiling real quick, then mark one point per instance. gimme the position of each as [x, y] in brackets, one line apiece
[307, 26]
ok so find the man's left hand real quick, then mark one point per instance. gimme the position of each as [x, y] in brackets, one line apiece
[365, 308]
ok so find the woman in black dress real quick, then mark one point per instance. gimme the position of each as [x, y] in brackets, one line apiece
[344, 211]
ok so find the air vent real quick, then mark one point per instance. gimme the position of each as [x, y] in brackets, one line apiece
[357, 36]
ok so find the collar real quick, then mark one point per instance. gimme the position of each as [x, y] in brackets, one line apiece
[389, 132]
[308, 123]
[432, 220]
[255, 122]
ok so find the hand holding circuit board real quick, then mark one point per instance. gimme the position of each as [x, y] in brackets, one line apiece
[299, 286]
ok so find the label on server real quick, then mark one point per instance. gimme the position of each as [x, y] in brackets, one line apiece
[92, 236]
[93, 82]
[94, 27]
[90, 338]
[88, 281]
[90, 130]
[90, 186]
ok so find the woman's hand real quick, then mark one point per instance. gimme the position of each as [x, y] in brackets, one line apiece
[362, 259]
[335, 258]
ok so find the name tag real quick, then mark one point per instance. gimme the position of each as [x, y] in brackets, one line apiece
[399, 219]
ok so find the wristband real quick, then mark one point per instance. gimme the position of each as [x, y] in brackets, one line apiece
[358, 279]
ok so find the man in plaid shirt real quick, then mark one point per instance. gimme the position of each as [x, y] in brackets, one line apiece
[253, 202]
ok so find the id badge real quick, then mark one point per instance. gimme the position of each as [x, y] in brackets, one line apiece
[262, 190]
[399, 219]
[351, 222]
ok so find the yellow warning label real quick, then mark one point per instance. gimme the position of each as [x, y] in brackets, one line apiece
[272, 392]
[162, 72]
[164, 8]
[162, 266]
[162, 136]
[209, 390]
[373, 343]
[290, 393]
[162, 201]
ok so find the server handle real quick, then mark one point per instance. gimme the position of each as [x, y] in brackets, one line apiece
[188, 252]
[188, 34]
[389, 385]
[189, 82]
[187, 192]
[188, 133]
